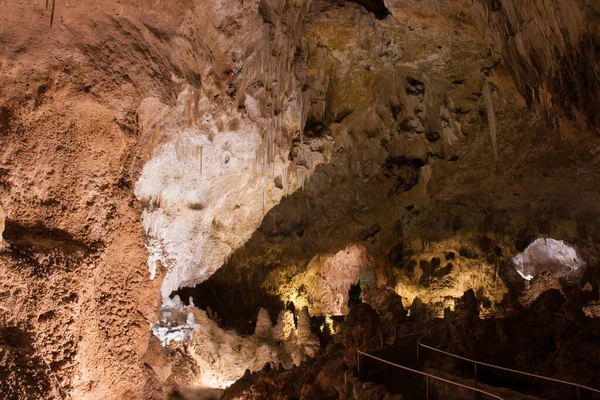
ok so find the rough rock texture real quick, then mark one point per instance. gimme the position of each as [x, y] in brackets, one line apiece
[331, 375]
[91, 93]
[439, 169]
[216, 358]
[552, 50]
[551, 337]
[74, 291]
[224, 153]
[174, 137]
[387, 303]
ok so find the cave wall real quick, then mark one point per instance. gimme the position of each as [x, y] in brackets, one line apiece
[222, 160]
[73, 288]
[100, 101]
[552, 49]
[131, 134]
[136, 138]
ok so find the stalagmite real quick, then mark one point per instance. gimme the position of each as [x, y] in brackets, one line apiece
[264, 326]
[285, 327]
[305, 336]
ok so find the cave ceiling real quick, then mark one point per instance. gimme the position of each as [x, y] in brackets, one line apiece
[270, 155]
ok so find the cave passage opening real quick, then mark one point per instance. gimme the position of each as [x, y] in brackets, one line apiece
[550, 255]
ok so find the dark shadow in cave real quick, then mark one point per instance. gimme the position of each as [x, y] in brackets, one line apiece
[39, 237]
[512, 280]
[337, 207]
[42, 250]
[354, 296]
[19, 354]
[236, 303]
[377, 7]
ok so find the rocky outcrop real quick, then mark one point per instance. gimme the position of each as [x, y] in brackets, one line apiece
[437, 166]
[550, 336]
[332, 374]
[213, 358]
[73, 281]
[232, 146]
[304, 146]
[106, 101]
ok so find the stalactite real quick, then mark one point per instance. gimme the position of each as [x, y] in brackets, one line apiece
[301, 117]
[264, 192]
[491, 116]
[52, 13]
[151, 224]
[285, 179]
[276, 54]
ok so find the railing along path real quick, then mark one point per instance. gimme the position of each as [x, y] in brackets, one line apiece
[427, 376]
[476, 363]
[415, 371]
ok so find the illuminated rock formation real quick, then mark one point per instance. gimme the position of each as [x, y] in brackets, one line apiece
[289, 158]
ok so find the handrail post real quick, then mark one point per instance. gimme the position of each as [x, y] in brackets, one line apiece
[475, 365]
[427, 385]
[418, 365]
[381, 339]
[578, 393]
[358, 362]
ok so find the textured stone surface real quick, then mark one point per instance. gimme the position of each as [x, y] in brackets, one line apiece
[220, 357]
[432, 140]
[551, 49]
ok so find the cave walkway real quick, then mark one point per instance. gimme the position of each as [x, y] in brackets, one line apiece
[394, 363]
[406, 366]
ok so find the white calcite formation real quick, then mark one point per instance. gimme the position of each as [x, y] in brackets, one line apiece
[205, 194]
[554, 256]
[197, 212]
[219, 159]
[176, 323]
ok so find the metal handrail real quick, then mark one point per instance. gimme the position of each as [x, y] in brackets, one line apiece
[475, 362]
[426, 375]
[577, 385]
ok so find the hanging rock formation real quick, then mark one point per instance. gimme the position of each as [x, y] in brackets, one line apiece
[279, 154]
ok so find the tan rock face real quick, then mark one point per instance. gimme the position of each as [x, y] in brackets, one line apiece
[84, 105]
[144, 147]
[73, 273]
[196, 119]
